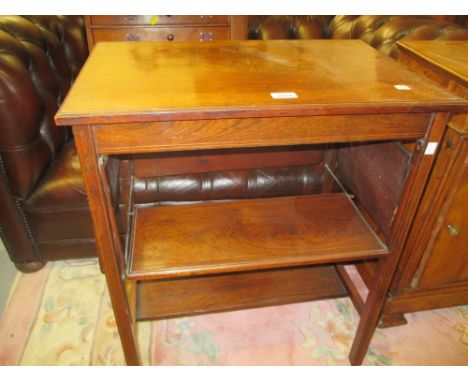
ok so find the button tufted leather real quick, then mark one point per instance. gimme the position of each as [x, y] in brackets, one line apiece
[60, 197]
[35, 75]
[39, 58]
[381, 32]
[288, 27]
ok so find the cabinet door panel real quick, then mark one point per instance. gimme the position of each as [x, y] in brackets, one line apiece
[448, 262]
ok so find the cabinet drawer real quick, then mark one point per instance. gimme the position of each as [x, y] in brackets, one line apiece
[161, 34]
[164, 20]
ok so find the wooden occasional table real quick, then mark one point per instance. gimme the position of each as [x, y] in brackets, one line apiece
[150, 98]
[433, 272]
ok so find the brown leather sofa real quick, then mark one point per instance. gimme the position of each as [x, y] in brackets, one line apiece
[381, 32]
[43, 207]
[44, 214]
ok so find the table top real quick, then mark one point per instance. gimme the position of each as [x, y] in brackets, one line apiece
[451, 57]
[160, 81]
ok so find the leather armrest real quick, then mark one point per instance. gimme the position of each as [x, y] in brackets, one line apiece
[14, 228]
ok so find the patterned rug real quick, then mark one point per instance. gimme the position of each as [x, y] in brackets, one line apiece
[62, 315]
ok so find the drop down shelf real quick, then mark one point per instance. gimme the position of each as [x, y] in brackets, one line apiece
[221, 237]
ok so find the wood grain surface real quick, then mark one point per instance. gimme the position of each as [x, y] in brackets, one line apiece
[172, 33]
[216, 293]
[129, 81]
[208, 238]
[147, 20]
[154, 137]
[449, 57]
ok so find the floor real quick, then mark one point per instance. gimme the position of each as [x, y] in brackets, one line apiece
[7, 275]
[62, 315]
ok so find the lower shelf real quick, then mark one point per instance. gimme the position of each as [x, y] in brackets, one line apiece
[166, 298]
[244, 235]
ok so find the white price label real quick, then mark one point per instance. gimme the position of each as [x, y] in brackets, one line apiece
[402, 87]
[431, 148]
[283, 95]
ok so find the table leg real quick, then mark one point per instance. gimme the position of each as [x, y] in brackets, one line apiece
[412, 194]
[107, 238]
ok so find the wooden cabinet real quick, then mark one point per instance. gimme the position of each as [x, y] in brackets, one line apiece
[433, 272]
[164, 28]
[181, 98]
[447, 260]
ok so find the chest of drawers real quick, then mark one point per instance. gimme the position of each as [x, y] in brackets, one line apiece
[164, 28]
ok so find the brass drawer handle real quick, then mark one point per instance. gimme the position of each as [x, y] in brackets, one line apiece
[132, 36]
[206, 36]
[130, 18]
[170, 37]
[453, 230]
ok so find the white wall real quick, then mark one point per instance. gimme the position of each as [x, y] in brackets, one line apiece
[7, 275]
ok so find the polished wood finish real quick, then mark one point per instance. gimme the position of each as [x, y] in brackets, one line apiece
[442, 60]
[375, 174]
[433, 272]
[412, 193]
[164, 28]
[224, 160]
[239, 27]
[389, 321]
[256, 132]
[177, 241]
[180, 81]
[184, 86]
[189, 296]
[162, 34]
[423, 299]
[438, 268]
[352, 290]
[107, 239]
[132, 295]
[158, 20]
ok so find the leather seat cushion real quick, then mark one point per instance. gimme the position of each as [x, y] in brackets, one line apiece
[62, 186]
[58, 208]
[60, 225]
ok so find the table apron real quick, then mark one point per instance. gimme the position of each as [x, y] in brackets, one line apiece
[147, 137]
